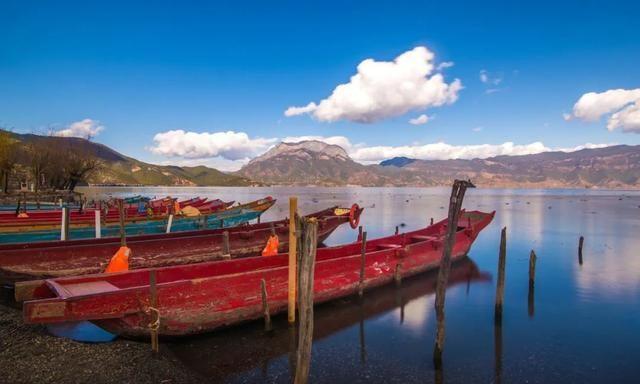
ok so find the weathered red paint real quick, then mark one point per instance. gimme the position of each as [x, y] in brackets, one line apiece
[201, 297]
[80, 257]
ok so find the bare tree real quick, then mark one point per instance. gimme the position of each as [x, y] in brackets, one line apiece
[8, 158]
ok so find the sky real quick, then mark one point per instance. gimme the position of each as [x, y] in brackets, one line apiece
[218, 83]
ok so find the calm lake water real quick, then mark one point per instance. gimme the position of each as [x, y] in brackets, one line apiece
[582, 326]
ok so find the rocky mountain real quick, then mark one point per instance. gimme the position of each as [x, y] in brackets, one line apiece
[610, 167]
[317, 163]
[309, 163]
[119, 169]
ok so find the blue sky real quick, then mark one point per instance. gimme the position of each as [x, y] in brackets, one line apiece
[140, 69]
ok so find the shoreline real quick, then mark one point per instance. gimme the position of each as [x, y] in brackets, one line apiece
[30, 355]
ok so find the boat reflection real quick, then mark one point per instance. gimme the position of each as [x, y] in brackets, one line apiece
[224, 354]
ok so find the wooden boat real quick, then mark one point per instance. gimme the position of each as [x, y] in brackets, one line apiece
[202, 297]
[79, 257]
[85, 217]
[249, 347]
[229, 217]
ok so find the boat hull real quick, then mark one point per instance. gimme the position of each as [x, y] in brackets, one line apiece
[38, 261]
[204, 297]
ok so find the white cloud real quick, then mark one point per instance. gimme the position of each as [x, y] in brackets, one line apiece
[422, 119]
[487, 78]
[85, 129]
[445, 65]
[443, 151]
[477, 129]
[622, 106]
[295, 111]
[383, 89]
[192, 145]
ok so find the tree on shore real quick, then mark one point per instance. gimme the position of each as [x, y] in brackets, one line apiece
[8, 158]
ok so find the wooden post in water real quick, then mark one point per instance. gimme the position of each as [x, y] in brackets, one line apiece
[98, 224]
[265, 306]
[580, 244]
[431, 223]
[226, 251]
[308, 244]
[397, 275]
[154, 313]
[64, 224]
[363, 256]
[532, 280]
[169, 222]
[123, 238]
[359, 233]
[397, 230]
[455, 203]
[502, 261]
[293, 212]
[532, 268]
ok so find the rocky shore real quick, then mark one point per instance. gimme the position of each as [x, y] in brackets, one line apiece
[28, 354]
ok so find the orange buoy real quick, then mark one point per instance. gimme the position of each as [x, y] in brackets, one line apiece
[120, 261]
[271, 249]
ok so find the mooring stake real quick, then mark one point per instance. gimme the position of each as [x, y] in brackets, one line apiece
[363, 256]
[501, 271]
[265, 306]
[123, 237]
[455, 203]
[309, 243]
[154, 313]
[580, 244]
[226, 252]
[293, 208]
[397, 275]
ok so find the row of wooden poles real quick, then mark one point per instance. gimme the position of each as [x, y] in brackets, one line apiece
[64, 221]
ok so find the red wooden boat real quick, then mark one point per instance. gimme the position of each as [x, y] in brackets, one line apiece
[30, 261]
[202, 297]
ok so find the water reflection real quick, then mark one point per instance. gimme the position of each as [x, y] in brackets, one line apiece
[245, 348]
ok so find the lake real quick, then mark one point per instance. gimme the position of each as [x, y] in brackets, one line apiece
[582, 324]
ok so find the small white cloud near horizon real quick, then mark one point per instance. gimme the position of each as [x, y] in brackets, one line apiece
[193, 145]
[384, 89]
[85, 129]
[622, 106]
[477, 129]
[420, 120]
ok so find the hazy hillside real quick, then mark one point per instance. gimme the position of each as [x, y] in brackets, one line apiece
[119, 169]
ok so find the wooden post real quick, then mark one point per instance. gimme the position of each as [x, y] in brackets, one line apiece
[532, 279]
[308, 244]
[532, 268]
[501, 267]
[455, 203]
[431, 222]
[363, 256]
[580, 244]
[397, 275]
[258, 219]
[397, 230]
[153, 312]
[293, 208]
[64, 224]
[265, 306]
[98, 224]
[205, 222]
[273, 228]
[169, 222]
[359, 233]
[123, 238]
[226, 251]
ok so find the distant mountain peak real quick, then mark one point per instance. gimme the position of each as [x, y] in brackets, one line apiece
[399, 161]
[304, 149]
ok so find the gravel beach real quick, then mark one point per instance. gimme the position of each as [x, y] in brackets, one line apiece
[28, 354]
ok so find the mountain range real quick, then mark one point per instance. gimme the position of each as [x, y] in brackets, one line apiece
[318, 163]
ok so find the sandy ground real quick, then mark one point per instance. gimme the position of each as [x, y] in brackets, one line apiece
[29, 355]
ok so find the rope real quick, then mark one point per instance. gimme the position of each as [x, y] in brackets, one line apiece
[155, 324]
